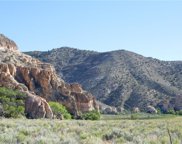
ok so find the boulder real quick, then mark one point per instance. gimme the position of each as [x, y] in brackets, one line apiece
[120, 109]
[151, 109]
[110, 110]
[106, 109]
[136, 110]
[37, 107]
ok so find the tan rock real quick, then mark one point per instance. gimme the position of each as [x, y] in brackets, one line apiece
[75, 87]
[7, 43]
[136, 110]
[12, 69]
[37, 107]
[48, 85]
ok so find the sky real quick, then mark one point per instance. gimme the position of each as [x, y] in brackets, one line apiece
[150, 28]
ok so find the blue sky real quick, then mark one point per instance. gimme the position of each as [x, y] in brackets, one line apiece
[150, 28]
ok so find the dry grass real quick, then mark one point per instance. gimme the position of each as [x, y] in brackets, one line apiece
[43, 131]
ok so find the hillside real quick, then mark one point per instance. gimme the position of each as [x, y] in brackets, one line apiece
[40, 82]
[120, 78]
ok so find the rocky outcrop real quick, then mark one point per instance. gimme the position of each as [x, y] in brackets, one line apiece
[164, 106]
[109, 110]
[175, 103]
[7, 73]
[37, 107]
[106, 109]
[19, 71]
[7, 43]
[48, 85]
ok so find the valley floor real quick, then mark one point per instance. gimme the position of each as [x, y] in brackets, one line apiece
[41, 131]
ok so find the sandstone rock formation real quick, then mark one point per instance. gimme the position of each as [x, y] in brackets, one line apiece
[20, 71]
[7, 43]
[37, 107]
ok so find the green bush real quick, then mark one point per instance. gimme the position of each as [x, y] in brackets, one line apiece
[171, 111]
[159, 111]
[134, 116]
[92, 115]
[12, 102]
[179, 112]
[58, 110]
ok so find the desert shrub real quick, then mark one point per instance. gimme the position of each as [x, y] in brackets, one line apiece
[58, 110]
[179, 112]
[171, 111]
[159, 111]
[12, 102]
[134, 116]
[92, 115]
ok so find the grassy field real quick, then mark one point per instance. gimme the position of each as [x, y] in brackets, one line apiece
[108, 130]
[137, 116]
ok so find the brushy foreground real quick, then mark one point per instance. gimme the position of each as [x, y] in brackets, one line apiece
[41, 131]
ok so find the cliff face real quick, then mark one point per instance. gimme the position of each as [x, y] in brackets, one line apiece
[20, 71]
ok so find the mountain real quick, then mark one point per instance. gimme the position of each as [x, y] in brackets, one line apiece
[120, 78]
[40, 82]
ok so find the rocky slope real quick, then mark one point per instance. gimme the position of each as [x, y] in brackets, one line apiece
[7, 43]
[120, 78]
[35, 78]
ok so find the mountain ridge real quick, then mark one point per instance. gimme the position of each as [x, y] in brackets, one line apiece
[119, 78]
